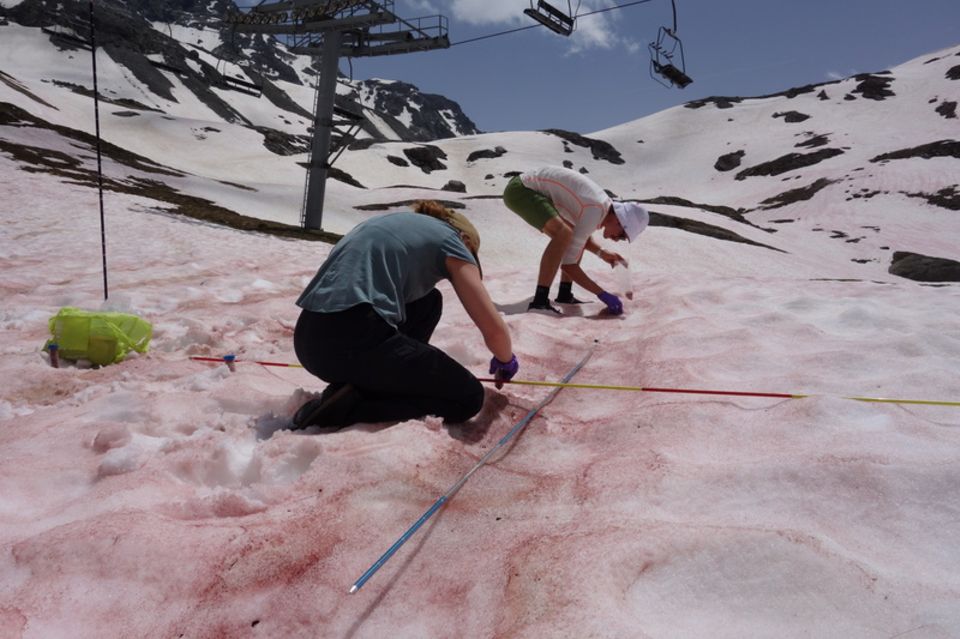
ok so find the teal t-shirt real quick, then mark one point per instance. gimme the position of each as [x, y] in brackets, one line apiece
[386, 262]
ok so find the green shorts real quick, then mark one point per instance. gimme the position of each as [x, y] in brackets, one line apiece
[534, 207]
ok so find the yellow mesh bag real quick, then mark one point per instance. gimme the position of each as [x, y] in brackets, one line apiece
[101, 337]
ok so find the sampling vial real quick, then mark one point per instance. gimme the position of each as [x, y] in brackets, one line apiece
[624, 279]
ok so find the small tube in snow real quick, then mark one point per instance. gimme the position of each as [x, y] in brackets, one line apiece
[624, 275]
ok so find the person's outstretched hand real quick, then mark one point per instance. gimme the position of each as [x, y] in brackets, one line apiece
[614, 305]
[612, 258]
[504, 371]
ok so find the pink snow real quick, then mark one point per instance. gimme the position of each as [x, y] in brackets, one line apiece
[160, 497]
[164, 497]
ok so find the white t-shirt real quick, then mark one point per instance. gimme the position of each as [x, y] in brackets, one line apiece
[578, 199]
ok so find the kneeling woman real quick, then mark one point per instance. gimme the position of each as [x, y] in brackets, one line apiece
[370, 310]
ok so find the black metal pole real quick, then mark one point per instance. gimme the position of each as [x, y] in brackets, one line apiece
[96, 117]
[322, 130]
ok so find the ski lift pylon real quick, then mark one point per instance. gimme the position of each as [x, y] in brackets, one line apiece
[552, 17]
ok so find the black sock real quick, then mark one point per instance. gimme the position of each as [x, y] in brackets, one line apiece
[542, 296]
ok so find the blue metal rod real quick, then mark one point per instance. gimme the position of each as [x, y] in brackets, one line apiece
[358, 584]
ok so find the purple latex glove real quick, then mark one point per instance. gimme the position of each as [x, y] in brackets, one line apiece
[614, 305]
[504, 371]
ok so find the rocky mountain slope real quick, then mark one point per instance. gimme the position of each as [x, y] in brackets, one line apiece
[155, 42]
[767, 171]
[885, 144]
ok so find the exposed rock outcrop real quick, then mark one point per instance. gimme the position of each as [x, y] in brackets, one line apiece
[874, 86]
[600, 149]
[923, 268]
[795, 195]
[133, 35]
[939, 149]
[791, 116]
[789, 162]
[487, 154]
[427, 157]
[728, 161]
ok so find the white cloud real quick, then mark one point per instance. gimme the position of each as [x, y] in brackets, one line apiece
[840, 75]
[490, 12]
[594, 32]
[421, 8]
[634, 46]
[597, 31]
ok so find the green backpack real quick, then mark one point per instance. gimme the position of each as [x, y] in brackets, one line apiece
[101, 337]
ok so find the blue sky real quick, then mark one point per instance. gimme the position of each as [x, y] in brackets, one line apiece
[599, 77]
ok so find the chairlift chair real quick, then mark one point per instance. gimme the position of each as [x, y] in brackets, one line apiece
[663, 52]
[553, 18]
[664, 59]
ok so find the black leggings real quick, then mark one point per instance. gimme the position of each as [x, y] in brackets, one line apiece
[398, 374]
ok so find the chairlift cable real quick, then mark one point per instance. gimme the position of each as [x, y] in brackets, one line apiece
[494, 35]
[619, 6]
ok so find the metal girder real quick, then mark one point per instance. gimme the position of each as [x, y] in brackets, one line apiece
[421, 34]
[358, 21]
[282, 18]
[367, 49]
[408, 46]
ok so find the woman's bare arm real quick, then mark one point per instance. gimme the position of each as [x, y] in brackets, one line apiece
[466, 281]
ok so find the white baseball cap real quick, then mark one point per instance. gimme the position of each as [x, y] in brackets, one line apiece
[632, 217]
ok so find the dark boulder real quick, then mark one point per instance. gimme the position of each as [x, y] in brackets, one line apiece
[791, 116]
[874, 87]
[427, 157]
[729, 161]
[923, 268]
[454, 185]
[947, 109]
[486, 154]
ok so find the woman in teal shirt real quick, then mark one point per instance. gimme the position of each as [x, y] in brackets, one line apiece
[370, 310]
